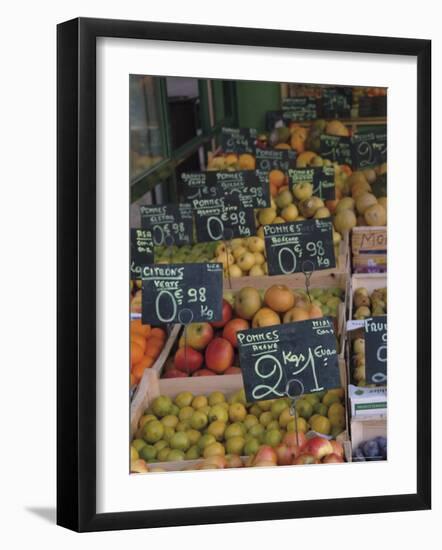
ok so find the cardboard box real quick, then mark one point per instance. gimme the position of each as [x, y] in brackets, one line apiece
[367, 403]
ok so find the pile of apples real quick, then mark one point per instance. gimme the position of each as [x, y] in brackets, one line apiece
[228, 432]
[358, 361]
[241, 257]
[366, 304]
[208, 349]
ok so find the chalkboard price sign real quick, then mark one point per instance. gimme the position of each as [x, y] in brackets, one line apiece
[322, 178]
[369, 149]
[299, 246]
[216, 217]
[273, 358]
[243, 185]
[238, 140]
[376, 350]
[170, 289]
[141, 251]
[299, 109]
[274, 159]
[336, 148]
[336, 102]
[168, 220]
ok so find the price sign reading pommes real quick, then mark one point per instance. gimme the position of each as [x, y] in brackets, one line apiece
[171, 288]
[299, 246]
[303, 353]
[168, 221]
[215, 217]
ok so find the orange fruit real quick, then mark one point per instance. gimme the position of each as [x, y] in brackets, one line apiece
[276, 178]
[138, 339]
[146, 363]
[138, 371]
[132, 379]
[247, 162]
[273, 190]
[137, 326]
[231, 158]
[136, 353]
[158, 333]
[154, 347]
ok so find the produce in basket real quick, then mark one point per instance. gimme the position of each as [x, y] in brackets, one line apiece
[205, 349]
[146, 343]
[220, 429]
[368, 305]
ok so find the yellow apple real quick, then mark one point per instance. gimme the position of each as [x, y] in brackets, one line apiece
[266, 216]
[246, 261]
[302, 190]
[290, 213]
[255, 244]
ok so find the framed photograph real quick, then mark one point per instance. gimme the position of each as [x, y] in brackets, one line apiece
[225, 250]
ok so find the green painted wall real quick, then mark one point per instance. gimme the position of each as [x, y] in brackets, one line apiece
[254, 100]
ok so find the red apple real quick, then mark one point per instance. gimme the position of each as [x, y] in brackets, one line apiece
[318, 447]
[285, 454]
[219, 355]
[226, 315]
[290, 439]
[266, 454]
[305, 458]
[188, 360]
[333, 458]
[174, 373]
[232, 327]
[338, 449]
[233, 370]
[198, 335]
[203, 372]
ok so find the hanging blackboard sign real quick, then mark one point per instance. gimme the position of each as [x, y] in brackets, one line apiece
[214, 218]
[238, 140]
[274, 159]
[336, 148]
[369, 149]
[141, 251]
[244, 185]
[170, 289]
[168, 220]
[322, 178]
[299, 246]
[296, 357]
[337, 102]
[299, 109]
[376, 350]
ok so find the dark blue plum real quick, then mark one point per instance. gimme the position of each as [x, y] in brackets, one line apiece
[381, 441]
[371, 450]
[358, 455]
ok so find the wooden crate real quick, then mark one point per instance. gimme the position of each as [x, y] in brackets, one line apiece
[154, 386]
[362, 430]
[370, 281]
[369, 249]
[157, 367]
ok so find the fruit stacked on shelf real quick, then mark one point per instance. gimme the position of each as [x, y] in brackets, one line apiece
[368, 305]
[221, 430]
[211, 348]
[146, 344]
[189, 253]
[372, 449]
[241, 257]
[358, 361]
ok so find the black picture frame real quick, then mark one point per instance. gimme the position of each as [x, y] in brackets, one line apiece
[76, 273]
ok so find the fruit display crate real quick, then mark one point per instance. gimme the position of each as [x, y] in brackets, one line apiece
[264, 281]
[226, 384]
[370, 281]
[369, 249]
[363, 430]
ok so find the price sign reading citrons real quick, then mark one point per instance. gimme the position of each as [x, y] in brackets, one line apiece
[141, 251]
[376, 350]
[171, 288]
[299, 246]
[302, 353]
